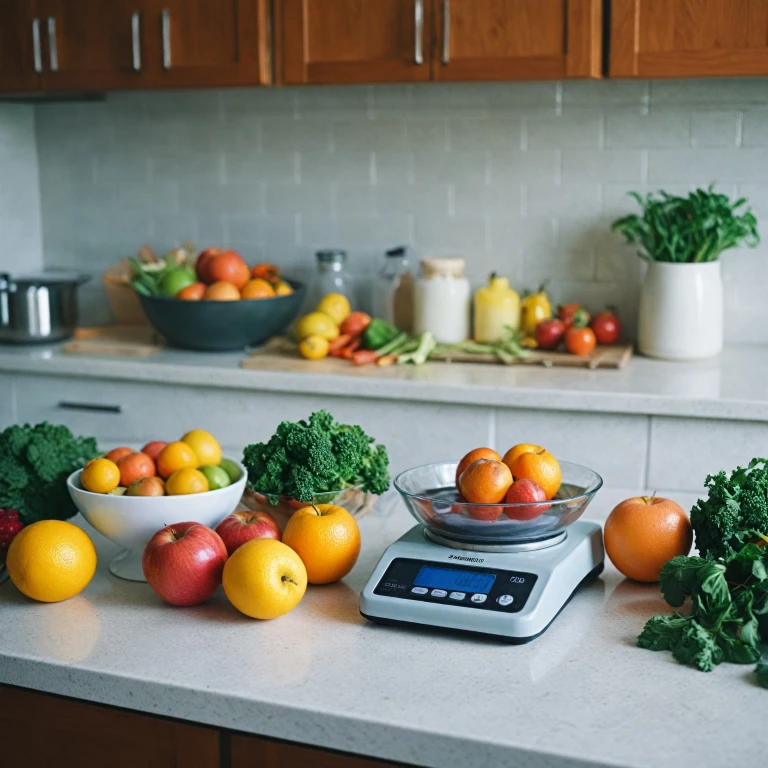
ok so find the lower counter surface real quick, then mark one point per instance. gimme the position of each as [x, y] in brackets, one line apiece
[582, 694]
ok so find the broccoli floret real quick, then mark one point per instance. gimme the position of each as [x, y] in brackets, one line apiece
[305, 458]
[34, 464]
[736, 508]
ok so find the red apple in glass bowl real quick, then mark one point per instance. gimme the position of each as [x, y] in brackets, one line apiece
[183, 563]
[239, 527]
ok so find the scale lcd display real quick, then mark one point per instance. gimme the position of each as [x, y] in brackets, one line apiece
[444, 578]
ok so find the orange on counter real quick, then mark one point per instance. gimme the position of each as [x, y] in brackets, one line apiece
[222, 291]
[541, 467]
[327, 540]
[643, 533]
[485, 481]
[474, 455]
[100, 476]
[176, 455]
[518, 450]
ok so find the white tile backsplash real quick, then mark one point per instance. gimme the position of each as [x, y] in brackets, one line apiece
[522, 176]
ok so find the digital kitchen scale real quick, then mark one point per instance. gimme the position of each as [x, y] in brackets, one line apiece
[512, 592]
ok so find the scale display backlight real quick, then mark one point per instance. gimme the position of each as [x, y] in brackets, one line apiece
[446, 578]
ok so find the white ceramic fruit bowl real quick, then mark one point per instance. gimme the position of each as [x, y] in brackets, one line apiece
[131, 521]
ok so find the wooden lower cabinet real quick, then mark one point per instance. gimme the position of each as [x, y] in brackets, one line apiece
[38, 730]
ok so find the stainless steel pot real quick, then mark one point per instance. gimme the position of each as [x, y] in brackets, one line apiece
[38, 309]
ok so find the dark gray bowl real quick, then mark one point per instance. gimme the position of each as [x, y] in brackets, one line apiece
[220, 326]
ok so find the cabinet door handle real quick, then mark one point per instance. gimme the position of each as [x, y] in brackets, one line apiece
[53, 51]
[136, 41]
[166, 22]
[446, 57]
[69, 405]
[36, 48]
[418, 28]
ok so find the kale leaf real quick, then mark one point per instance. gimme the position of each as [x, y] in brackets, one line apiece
[762, 673]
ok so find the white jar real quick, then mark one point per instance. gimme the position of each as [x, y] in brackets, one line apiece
[441, 300]
[681, 311]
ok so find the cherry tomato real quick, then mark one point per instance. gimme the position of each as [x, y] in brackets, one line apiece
[607, 327]
[573, 314]
[580, 341]
[549, 333]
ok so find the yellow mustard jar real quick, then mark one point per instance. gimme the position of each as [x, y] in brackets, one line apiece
[496, 306]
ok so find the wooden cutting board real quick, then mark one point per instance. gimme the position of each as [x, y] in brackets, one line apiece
[116, 340]
[278, 351]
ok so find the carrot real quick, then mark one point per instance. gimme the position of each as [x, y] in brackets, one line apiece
[386, 360]
[350, 349]
[339, 342]
[364, 357]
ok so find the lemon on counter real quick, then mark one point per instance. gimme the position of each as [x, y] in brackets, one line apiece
[314, 347]
[51, 560]
[336, 306]
[316, 324]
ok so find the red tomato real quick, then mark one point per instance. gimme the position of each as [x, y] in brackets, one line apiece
[573, 314]
[607, 327]
[355, 324]
[580, 341]
[549, 333]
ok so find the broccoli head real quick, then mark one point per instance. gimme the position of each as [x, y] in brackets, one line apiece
[734, 511]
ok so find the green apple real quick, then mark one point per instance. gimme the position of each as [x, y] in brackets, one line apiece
[231, 468]
[177, 279]
[217, 477]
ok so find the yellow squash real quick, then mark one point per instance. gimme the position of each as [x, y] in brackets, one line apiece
[536, 309]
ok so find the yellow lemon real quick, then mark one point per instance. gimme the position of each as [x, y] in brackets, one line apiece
[100, 476]
[264, 579]
[187, 480]
[314, 347]
[283, 289]
[205, 446]
[51, 560]
[316, 324]
[336, 306]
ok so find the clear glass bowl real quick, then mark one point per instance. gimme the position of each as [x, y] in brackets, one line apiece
[355, 500]
[430, 494]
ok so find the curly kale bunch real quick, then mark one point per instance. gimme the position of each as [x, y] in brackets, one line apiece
[735, 511]
[35, 462]
[305, 458]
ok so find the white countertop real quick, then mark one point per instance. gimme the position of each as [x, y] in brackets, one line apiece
[732, 386]
[582, 694]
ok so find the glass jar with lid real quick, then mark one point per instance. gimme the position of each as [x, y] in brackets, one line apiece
[393, 290]
[442, 298]
[332, 277]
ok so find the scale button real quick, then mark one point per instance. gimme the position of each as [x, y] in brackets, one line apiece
[457, 595]
[479, 598]
[419, 590]
[438, 593]
[505, 600]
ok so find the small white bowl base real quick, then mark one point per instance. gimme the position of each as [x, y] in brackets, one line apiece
[127, 565]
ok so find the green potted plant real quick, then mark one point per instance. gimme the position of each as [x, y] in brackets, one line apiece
[682, 239]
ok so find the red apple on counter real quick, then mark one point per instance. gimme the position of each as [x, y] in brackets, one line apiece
[526, 492]
[239, 527]
[183, 563]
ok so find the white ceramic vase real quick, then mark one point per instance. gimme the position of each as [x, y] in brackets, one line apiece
[681, 311]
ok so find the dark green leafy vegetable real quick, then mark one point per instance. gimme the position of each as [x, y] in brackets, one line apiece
[729, 597]
[735, 511]
[691, 229]
[306, 458]
[762, 673]
[378, 333]
[35, 462]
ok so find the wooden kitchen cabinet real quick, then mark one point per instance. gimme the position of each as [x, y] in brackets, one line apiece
[199, 43]
[517, 39]
[353, 41]
[93, 44]
[688, 38]
[20, 46]
[41, 730]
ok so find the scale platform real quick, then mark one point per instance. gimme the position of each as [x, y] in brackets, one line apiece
[512, 593]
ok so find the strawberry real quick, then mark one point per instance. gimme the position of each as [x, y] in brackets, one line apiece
[10, 525]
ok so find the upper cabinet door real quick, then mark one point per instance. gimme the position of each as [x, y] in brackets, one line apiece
[517, 39]
[689, 38]
[353, 41]
[21, 57]
[93, 44]
[209, 43]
